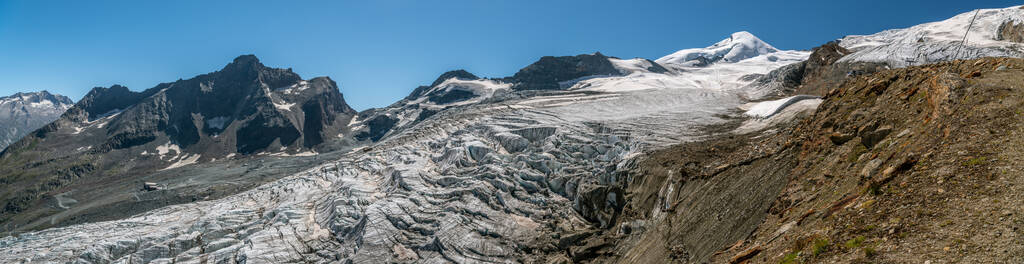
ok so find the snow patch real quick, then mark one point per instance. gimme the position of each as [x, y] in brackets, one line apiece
[65, 202]
[631, 65]
[111, 113]
[284, 106]
[187, 160]
[482, 88]
[294, 88]
[217, 122]
[768, 108]
[44, 103]
[300, 154]
[783, 115]
[166, 148]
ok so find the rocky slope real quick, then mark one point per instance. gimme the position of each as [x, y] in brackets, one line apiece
[113, 139]
[894, 166]
[22, 113]
[907, 165]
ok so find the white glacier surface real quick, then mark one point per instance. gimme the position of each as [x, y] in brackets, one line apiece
[938, 41]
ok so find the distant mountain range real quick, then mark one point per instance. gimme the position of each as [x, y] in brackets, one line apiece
[23, 113]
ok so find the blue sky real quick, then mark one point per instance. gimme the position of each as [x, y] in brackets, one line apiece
[378, 51]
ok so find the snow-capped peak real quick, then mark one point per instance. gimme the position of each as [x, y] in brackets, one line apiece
[994, 33]
[22, 113]
[739, 46]
[41, 99]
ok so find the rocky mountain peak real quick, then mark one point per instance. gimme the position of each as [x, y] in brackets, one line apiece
[549, 72]
[38, 97]
[22, 113]
[102, 100]
[460, 73]
[56, 98]
[102, 91]
[264, 103]
[244, 62]
[247, 68]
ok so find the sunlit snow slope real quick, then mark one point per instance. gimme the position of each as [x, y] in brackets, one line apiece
[727, 66]
[940, 41]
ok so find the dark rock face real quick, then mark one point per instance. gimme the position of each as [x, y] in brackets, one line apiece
[378, 128]
[102, 101]
[451, 97]
[825, 55]
[705, 61]
[426, 113]
[264, 129]
[818, 72]
[460, 74]
[546, 73]
[655, 67]
[244, 91]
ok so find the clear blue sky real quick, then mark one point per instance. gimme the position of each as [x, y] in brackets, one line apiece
[378, 51]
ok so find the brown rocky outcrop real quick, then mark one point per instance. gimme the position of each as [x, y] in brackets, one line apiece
[901, 166]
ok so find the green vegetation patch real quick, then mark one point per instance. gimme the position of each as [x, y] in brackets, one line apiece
[975, 161]
[820, 246]
[855, 242]
[790, 258]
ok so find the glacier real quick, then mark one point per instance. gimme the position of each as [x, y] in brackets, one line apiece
[938, 41]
